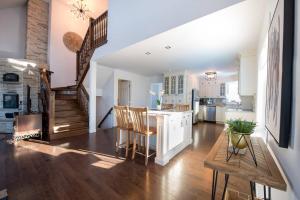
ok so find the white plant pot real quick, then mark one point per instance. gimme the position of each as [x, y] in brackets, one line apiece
[158, 107]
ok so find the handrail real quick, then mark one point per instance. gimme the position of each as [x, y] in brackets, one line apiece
[83, 98]
[105, 117]
[95, 36]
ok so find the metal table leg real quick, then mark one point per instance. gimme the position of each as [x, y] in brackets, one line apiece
[225, 186]
[214, 185]
[252, 187]
[265, 193]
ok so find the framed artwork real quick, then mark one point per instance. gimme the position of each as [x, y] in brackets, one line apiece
[280, 72]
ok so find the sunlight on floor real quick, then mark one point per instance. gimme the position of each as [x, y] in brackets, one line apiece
[104, 161]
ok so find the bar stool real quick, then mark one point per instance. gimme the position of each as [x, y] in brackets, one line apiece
[166, 106]
[182, 107]
[123, 123]
[140, 123]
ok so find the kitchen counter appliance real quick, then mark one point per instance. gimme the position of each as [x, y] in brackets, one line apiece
[210, 113]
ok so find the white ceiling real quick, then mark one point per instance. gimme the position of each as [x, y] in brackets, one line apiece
[11, 3]
[212, 42]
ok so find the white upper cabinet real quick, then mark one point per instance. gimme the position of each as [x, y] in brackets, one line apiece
[173, 84]
[180, 84]
[248, 75]
[212, 89]
[178, 87]
[167, 85]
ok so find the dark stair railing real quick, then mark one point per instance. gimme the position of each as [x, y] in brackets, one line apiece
[95, 37]
[105, 117]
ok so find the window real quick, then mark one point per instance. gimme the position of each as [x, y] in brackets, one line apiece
[232, 92]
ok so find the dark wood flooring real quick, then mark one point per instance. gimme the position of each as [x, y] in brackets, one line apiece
[86, 167]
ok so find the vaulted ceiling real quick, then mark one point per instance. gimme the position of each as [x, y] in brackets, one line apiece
[212, 42]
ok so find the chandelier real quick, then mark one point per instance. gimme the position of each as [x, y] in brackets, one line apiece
[210, 76]
[80, 9]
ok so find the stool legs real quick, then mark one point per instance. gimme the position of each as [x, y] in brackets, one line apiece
[127, 143]
[118, 140]
[147, 149]
[134, 146]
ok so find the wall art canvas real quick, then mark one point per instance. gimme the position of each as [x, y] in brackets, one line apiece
[280, 68]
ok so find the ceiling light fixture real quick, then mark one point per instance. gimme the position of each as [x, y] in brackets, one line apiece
[168, 47]
[210, 76]
[80, 9]
[148, 53]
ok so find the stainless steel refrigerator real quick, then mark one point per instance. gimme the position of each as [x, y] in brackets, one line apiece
[195, 105]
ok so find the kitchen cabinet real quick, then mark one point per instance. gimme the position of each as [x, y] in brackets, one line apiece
[212, 89]
[220, 114]
[178, 87]
[166, 85]
[248, 75]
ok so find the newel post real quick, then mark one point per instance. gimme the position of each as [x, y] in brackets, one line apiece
[91, 29]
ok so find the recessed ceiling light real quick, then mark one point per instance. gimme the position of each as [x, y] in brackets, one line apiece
[168, 47]
[148, 53]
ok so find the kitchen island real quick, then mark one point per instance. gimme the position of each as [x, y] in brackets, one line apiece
[174, 133]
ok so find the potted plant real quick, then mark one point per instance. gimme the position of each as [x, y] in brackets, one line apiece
[159, 96]
[237, 130]
[158, 104]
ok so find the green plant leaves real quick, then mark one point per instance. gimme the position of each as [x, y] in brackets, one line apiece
[241, 126]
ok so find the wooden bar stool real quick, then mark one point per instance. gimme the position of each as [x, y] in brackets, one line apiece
[140, 123]
[166, 106]
[182, 107]
[123, 123]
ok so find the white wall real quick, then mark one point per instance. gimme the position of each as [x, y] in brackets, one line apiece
[62, 61]
[136, 20]
[13, 32]
[289, 159]
[106, 101]
[140, 86]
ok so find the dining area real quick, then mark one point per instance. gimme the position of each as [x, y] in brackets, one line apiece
[161, 134]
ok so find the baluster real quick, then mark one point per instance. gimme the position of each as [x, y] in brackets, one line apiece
[91, 34]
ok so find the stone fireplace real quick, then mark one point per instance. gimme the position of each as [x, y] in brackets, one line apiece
[16, 76]
[10, 101]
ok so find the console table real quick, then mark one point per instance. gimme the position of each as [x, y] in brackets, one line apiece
[243, 166]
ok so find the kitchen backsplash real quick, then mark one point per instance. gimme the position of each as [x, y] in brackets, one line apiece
[247, 103]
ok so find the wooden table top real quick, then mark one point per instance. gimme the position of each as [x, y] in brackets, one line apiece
[243, 166]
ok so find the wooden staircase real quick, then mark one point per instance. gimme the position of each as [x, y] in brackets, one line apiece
[70, 119]
[65, 110]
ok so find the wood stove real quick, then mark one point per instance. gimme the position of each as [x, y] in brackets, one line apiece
[10, 101]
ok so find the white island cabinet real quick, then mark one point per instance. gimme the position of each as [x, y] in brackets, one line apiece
[174, 133]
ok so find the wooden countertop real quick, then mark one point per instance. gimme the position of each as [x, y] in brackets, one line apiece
[266, 172]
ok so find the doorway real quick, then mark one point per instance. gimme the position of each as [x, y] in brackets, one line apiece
[124, 93]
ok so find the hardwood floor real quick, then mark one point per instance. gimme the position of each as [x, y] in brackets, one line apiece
[85, 167]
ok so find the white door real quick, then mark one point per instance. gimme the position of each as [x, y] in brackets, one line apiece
[123, 93]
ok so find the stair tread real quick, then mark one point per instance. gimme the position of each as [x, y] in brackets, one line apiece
[68, 134]
[70, 129]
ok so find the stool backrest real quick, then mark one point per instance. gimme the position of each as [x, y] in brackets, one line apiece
[182, 107]
[140, 119]
[165, 106]
[122, 116]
